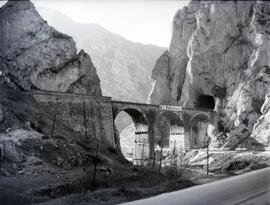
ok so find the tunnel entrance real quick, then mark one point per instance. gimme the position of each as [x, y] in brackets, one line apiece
[132, 133]
[205, 102]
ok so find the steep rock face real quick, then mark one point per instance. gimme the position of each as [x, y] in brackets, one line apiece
[160, 94]
[36, 56]
[124, 67]
[170, 69]
[227, 49]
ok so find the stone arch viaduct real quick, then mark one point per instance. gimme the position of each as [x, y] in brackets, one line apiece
[95, 116]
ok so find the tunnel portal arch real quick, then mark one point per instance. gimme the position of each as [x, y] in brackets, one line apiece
[205, 102]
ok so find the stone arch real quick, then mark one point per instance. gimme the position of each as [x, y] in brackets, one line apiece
[199, 125]
[141, 142]
[200, 116]
[137, 115]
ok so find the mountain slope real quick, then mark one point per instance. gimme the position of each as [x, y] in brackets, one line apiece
[33, 56]
[124, 67]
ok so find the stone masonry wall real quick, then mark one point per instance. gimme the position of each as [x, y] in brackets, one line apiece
[86, 115]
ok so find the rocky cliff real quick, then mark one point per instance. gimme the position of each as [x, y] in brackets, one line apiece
[123, 66]
[33, 141]
[34, 55]
[219, 59]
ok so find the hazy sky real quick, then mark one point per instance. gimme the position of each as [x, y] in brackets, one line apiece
[147, 21]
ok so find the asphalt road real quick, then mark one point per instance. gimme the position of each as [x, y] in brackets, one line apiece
[252, 188]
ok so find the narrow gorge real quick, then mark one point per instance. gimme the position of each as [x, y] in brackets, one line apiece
[201, 115]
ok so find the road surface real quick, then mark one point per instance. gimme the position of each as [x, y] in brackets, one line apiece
[252, 188]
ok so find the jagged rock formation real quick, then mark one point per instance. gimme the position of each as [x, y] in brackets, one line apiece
[34, 55]
[219, 59]
[160, 92]
[124, 67]
[34, 141]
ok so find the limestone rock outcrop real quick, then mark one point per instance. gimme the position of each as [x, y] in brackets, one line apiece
[124, 67]
[219, 59]
[173, 74]
[160, 94]
[34, 55]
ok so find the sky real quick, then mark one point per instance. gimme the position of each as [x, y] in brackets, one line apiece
[148, 22]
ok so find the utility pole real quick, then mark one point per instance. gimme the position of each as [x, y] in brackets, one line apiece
[161, 153]
[207, 157]
[84, 121]
[142, 153]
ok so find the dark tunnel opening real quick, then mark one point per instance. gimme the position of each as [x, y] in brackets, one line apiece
[205, 102]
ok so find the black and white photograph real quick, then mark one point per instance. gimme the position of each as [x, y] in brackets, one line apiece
[134, 102]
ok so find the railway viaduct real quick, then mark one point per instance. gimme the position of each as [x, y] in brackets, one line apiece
[94, 117]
